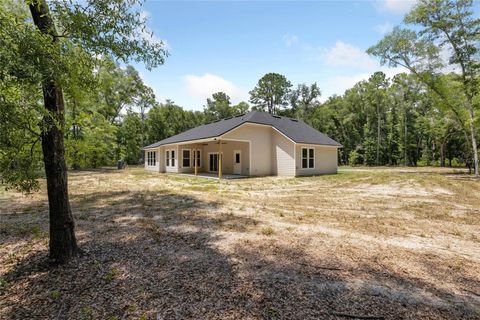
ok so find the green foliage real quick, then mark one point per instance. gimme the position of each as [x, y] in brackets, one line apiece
[96, 90]
[303, 100]
[271, 93]
[355, 158]
[450, 26]
[168, 119]
[219, 107]
[130, 138]
[417, 118]
[56, 294]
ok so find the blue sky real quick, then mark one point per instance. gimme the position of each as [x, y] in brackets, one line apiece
[228, 45]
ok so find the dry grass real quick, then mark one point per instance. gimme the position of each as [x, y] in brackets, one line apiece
[394, 243]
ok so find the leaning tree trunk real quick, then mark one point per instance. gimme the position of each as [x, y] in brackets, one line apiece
[63, 244]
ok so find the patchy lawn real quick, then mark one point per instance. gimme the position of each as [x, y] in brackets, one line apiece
[391, 243]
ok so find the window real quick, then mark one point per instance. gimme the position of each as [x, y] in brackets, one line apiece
[170, 158]
[308, 158]
[186, 158]
[237, 157]
[199, 164]
[151, 158]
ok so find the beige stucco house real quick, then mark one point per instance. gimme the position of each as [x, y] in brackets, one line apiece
[252, 144]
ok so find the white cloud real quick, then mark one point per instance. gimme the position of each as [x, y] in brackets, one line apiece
[384, 28]
[290, 39]
[338, 84]
[148, 34]
[202, 87]
[346, 55]
[396, 6]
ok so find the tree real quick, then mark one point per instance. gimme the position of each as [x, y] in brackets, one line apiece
[377, 97]
[129, 138]
[303, 99]
[220, 107]
[271, 93]
[39, 52]
[445, 24]
[168, 119]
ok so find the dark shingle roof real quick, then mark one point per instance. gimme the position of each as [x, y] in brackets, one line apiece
[297, 130]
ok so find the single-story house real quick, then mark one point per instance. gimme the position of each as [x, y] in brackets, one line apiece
[251, 144]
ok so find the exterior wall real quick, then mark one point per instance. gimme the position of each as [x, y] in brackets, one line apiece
[156, 167]
[264, 151]
[260, 138]
[283, 155]
[325, 160]
[191, 147]
[161, 157]
[228, 148]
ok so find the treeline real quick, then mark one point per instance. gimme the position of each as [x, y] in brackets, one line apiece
[380, 121]
[423, 117]
[396, 121]
[118, 115]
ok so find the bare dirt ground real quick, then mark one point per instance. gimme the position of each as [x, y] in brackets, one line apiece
[387, 243]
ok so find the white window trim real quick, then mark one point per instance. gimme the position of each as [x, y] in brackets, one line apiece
[199, 160]
[189, 158]
[308, 159]
[151, 155]
[171, 159]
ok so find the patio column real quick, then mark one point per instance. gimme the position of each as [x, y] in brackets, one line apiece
[195, 160]
[219, 159]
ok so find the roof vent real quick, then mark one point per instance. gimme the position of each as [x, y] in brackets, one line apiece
[296, 120]
[275, 116]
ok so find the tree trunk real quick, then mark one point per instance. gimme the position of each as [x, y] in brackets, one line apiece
[63, 244]
[442, 154]
[405, 139]
[473, 136]
[76, 129]
[378, 134]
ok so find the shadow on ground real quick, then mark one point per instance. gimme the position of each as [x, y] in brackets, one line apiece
[155, 255]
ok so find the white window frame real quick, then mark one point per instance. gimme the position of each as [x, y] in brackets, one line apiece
[173, 154]
[151, 158]
[167, 158]
[199, 159]
[308, 158]
[189, 158]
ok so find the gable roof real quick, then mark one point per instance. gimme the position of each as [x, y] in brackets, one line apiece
[297, 130]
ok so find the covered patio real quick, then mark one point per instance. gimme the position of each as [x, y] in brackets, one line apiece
[209, 158]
